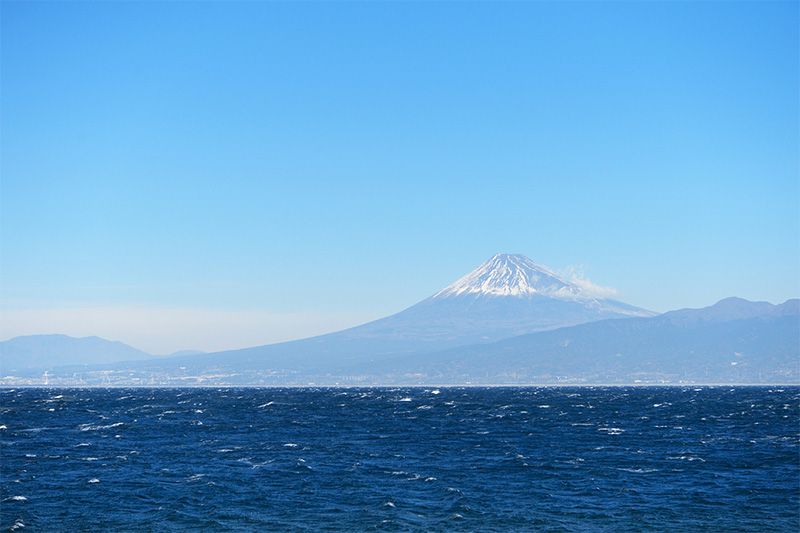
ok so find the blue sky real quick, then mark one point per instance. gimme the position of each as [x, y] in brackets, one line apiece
[217, 175]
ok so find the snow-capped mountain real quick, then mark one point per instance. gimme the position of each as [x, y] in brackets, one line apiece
[508, 295]
[511, 275]
[516, 275]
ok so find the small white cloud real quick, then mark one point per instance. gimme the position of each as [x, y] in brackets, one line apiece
[587, 289]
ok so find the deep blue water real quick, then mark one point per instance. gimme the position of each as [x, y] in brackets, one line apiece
[410, 459]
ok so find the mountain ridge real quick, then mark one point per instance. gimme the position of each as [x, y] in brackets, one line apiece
[744, 348]
[50, 350]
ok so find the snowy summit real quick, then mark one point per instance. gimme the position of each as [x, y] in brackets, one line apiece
[511, 275]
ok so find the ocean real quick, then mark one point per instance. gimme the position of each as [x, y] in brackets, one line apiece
[401, 459]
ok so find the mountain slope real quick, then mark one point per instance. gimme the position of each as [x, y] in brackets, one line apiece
[733, 341]
[506, 296]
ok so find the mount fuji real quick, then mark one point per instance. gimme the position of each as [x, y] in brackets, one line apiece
[506, 296]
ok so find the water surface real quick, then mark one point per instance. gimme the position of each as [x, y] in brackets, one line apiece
[402, 459]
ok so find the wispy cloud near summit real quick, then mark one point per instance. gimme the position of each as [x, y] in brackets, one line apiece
[576, 276]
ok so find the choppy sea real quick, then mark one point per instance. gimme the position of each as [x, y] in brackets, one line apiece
[401, 459]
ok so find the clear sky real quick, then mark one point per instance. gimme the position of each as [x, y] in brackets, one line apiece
[211, 175]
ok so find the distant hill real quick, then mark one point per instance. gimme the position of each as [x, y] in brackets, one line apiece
[733, 341]
[47, 351]
[731, 309]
